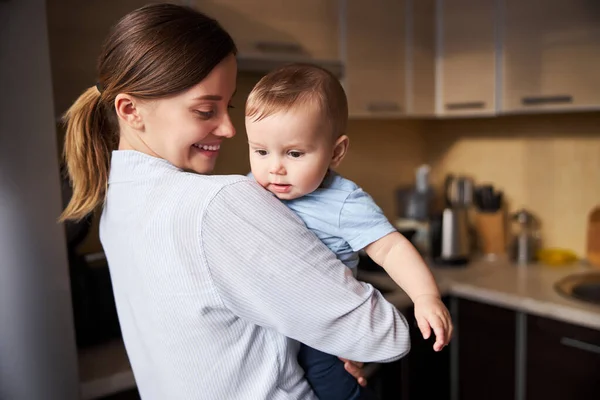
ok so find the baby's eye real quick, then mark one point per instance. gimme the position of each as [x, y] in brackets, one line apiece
[295, 154]
[261, 152]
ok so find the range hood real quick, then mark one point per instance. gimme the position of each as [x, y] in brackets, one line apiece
[268, 56]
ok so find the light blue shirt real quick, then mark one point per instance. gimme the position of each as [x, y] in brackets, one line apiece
[343, 216]
[216, 282]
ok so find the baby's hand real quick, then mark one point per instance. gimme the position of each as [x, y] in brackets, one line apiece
[431, 313]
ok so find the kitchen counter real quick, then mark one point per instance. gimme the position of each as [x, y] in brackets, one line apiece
[528, 289]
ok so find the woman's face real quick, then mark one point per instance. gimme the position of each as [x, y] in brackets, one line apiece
[187, 129]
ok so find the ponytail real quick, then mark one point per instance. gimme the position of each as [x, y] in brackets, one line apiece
[87, 149]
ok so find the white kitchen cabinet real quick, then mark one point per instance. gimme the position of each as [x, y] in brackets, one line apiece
[273, 30]
[421, 58]
[375, 56]
[466, 69]
[551, 55]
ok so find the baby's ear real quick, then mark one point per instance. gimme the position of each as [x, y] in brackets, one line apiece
[339, 150]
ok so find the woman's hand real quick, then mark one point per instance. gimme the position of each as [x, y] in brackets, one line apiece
[355, 369]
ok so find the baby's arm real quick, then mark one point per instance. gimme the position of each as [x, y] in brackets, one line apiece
[406, 267]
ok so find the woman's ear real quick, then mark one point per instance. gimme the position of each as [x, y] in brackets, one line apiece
[339, 150]
[128, 112]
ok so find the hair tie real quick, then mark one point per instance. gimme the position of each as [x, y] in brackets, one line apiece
[99, 87]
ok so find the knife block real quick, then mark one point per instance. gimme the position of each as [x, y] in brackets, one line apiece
[491, 229]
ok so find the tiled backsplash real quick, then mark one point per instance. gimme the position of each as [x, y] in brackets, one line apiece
[549, 164]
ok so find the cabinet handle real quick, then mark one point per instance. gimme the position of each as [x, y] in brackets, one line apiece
[540, 100]
[279, 47]
[578, 344]
[383, 106]
[467, 105]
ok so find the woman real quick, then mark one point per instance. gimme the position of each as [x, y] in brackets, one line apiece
[212, 276]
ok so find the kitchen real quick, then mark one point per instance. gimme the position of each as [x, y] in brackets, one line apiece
[503, 91]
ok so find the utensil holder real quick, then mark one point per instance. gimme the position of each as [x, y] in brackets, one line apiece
[491, 228]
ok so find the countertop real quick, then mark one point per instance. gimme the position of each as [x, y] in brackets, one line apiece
[528, 289]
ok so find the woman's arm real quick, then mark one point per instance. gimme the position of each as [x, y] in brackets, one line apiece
[271, 270]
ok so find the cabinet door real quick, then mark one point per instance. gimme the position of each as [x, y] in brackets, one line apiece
[302, 29]
[551, 55]
[486, 351]
[563, 361]
[421, 58]
[375, 57]
[467, 57]
[425, 373]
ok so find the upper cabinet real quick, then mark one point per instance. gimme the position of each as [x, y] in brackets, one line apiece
[268, 33]
[375, 56]
[551, 55]
[466, 69]
[421, 58]
[396, 58]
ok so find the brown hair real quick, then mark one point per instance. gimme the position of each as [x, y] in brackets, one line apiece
[156, 51]
[300, 84]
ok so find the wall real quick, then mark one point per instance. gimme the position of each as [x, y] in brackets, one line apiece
[549, 164]
[38, 358]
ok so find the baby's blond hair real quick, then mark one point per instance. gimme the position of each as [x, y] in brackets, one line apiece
[297, 85]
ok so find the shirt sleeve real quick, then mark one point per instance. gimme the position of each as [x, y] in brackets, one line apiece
[362, 221]
[272, 271]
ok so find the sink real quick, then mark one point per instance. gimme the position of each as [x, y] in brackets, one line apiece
[583, 287]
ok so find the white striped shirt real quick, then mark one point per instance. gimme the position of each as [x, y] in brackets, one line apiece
[215, 280]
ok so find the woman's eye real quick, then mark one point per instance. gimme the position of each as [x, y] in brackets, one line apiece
[261, 152]
[295, 154]
[230, 106]
[205, 114]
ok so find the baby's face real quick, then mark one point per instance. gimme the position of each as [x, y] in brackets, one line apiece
[290, 152]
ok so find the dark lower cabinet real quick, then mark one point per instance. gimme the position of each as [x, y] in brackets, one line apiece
[385, 383]
[422, 375]
[486, 351]
[425, 372]
[563, 361]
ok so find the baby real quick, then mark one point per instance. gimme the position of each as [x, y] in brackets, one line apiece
[296, 119]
